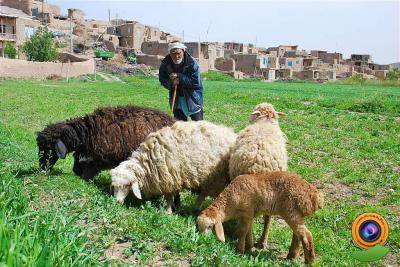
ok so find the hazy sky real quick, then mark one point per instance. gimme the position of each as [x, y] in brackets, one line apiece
[364, 27]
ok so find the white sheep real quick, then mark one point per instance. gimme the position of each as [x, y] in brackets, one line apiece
[260, 147]
[273, 193]
[188, 155]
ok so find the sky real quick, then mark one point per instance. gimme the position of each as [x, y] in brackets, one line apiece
[347, 27]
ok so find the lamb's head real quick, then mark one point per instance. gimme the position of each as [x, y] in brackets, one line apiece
[55, 142]
[123, 180]
[206, 223]
[265, 110]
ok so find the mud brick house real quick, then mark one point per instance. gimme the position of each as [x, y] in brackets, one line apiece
[15, 27]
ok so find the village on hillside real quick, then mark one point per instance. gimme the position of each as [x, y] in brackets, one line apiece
[141, 44]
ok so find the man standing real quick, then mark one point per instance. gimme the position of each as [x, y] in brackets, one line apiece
[179, 71]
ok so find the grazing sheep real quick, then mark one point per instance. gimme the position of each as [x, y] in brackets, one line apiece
[260, 147]
[100, 140]
[190, 155]
[273, 193]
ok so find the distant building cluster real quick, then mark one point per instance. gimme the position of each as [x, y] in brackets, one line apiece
[19, 19]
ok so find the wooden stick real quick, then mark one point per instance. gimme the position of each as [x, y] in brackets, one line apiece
[173, 100]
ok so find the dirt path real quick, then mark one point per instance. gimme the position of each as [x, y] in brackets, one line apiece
[109, 77]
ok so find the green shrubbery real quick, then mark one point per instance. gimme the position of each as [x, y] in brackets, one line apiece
[10, 50]
[40, 47]
[393, 75]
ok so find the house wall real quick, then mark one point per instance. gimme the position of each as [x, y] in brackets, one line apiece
[246, 63]
[273, 62]
[25, 29]
[150, 60]
[152, 34]
[24, 5]
[296, 64]
[223, 64]
[14, 68]
[269, 74]
[131, 34]
[155, 48]
[361, 58]
[381, 74]
[283, 74]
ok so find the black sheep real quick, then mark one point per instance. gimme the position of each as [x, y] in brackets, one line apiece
[100, 140]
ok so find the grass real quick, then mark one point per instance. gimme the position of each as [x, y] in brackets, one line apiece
[343, 138]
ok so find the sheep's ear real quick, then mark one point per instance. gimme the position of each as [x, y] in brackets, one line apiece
[61, 149]
[281, 114]
[136, 190]
[219, 231]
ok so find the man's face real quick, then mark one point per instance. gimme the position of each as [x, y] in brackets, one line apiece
[176, 55]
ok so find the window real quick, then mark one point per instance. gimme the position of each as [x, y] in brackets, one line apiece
[35, 12]
[290, 63]
[29, 31]
[2, 28]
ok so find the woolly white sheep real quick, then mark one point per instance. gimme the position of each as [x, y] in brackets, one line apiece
[188, 155]
[273, 193]
[260, 147]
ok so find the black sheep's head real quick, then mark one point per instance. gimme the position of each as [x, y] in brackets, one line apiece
[54, 142]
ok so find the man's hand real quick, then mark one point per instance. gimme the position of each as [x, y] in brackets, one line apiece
[175, 82]
[173, 76]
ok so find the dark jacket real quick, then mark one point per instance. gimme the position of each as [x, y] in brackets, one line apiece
[189, 81]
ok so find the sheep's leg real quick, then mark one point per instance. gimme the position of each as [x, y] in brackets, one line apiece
[307, 241]
[170, 203]
[294, 250]
[177, 200]
[89, 172]
[249, 237]
[243, 230]
[199, 201]
[263, 242]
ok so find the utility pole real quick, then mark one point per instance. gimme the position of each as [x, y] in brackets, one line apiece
[42, 12]
[183, 35]
[70, 32]
[109, 15]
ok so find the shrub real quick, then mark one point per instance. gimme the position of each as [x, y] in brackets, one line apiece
[10, 50]
[356, 79]
[40, 47]
[393, 75]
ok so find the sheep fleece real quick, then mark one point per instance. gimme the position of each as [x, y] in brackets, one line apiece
[260, 147]
[191, 155]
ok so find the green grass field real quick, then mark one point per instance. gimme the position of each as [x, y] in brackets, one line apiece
[343, 138]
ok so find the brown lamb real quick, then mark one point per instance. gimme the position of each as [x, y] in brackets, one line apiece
[275, 193]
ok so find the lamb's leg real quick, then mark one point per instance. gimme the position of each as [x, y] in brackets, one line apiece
[263, 242]
[294, 250]
[307, 241]
[170, 203]
[199, 201]
[249, 237]
[243, 230]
